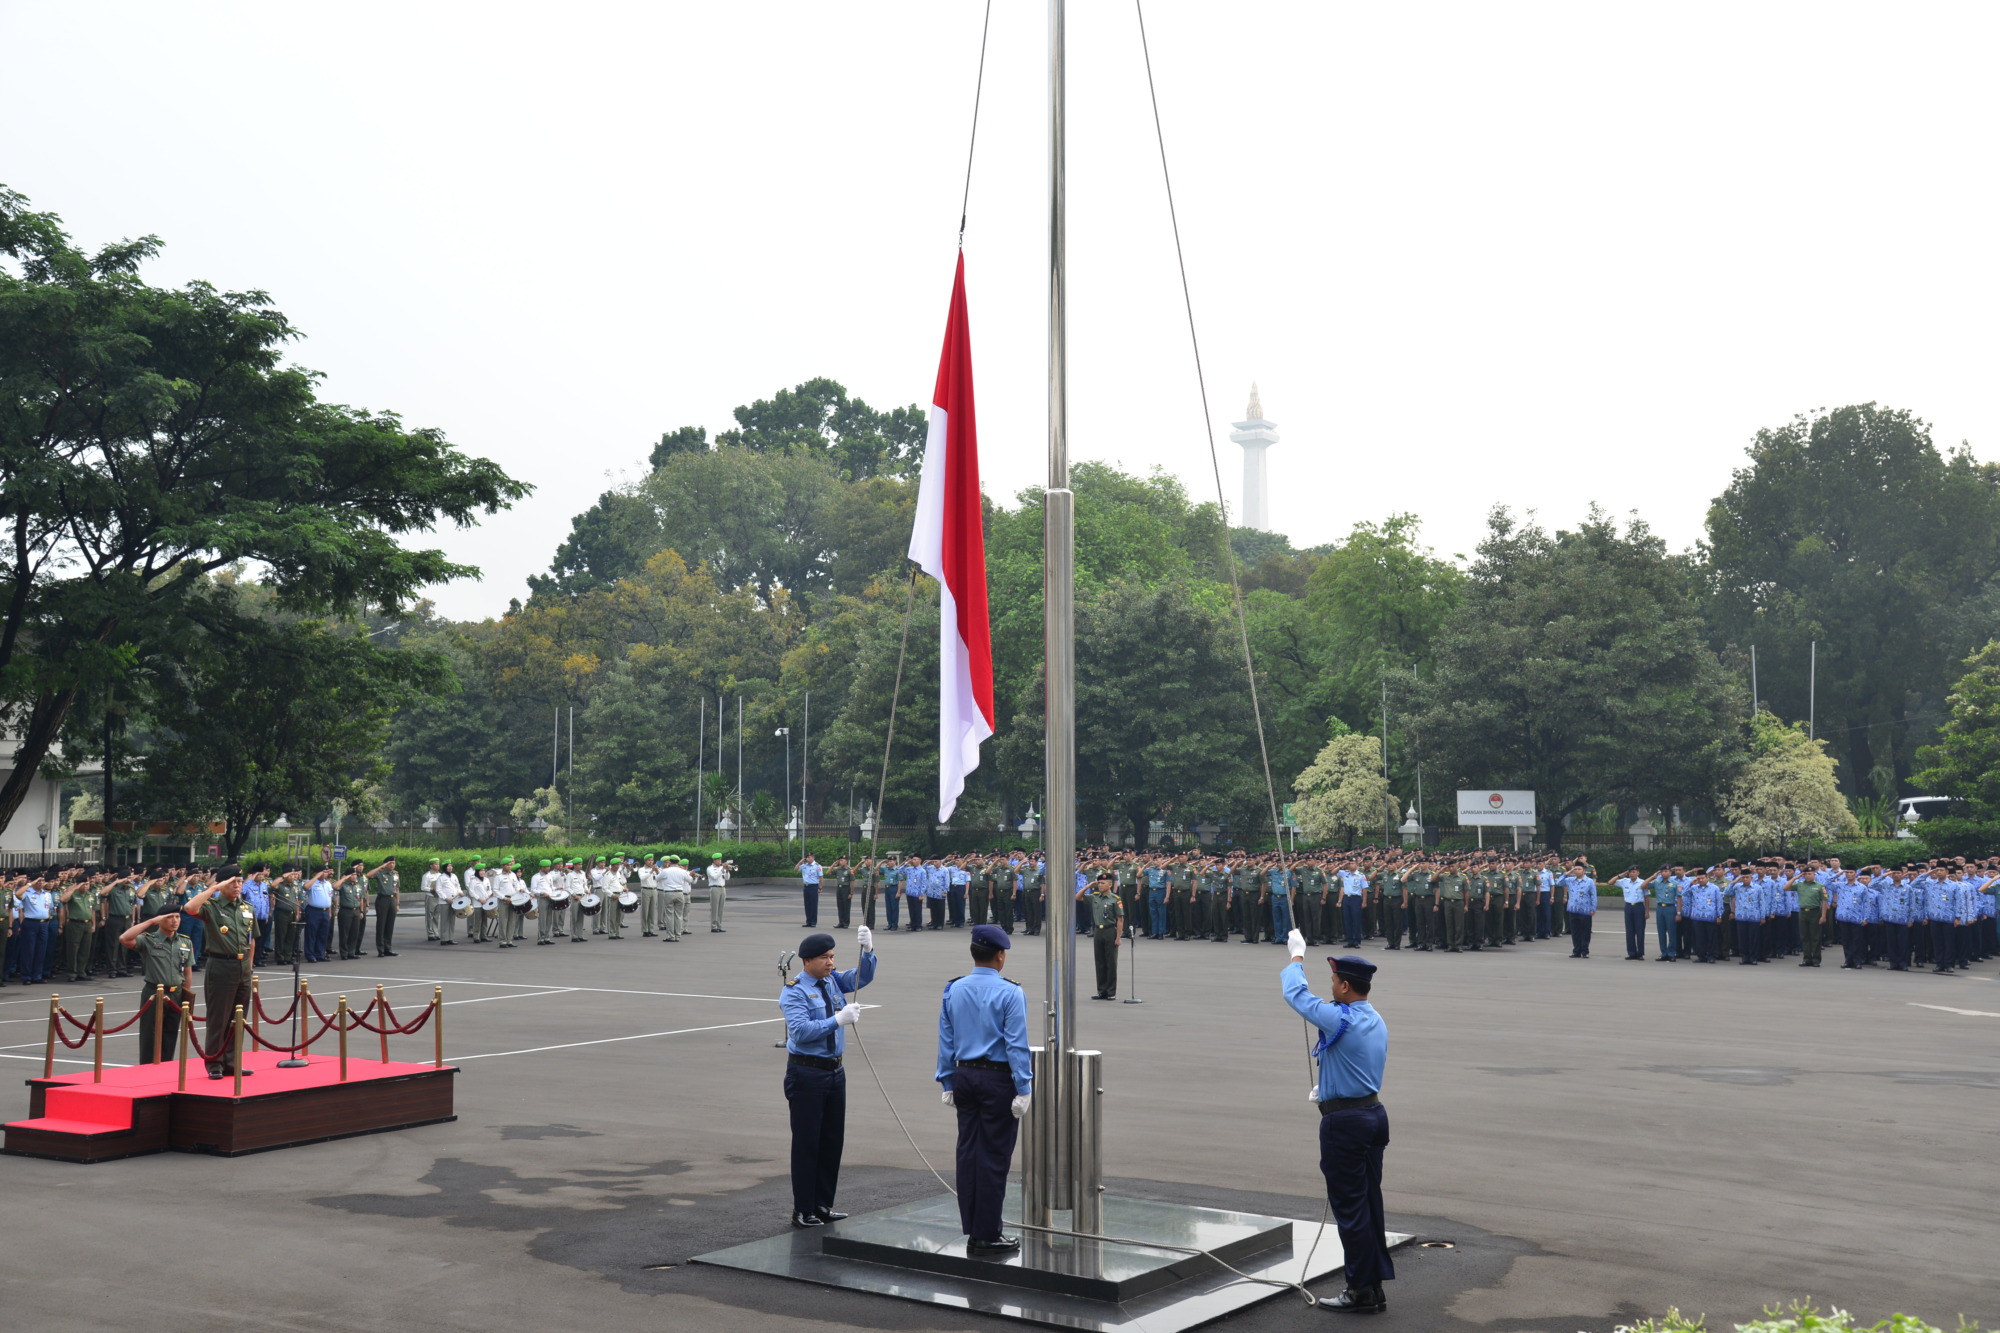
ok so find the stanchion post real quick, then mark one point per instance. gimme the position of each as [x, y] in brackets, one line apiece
[1133, 998]
[1087, 1187]
[382, 1021]
[236, 1041]
[305, 1045]
[159, 1018]
[437, 1025]
[49, 1056]
[340, 1016]
[187, 1034]
[256, 1002]
[97, 1052]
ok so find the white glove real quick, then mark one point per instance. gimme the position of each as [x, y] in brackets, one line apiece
[947, 1098]
[848, 1017]
[1296, 941]
[1019, 1107]
[1312, 1095]
[865, 938]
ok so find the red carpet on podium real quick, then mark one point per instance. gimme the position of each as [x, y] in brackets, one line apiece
[141, 1109]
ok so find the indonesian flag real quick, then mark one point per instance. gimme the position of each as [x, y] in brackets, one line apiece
[950, 546]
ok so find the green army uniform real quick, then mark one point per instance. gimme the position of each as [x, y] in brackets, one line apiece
[1451, 890]
[118, 907]
[79, 921]
[388, 897]
[1475, 910]
[1128, 892]
[1107, 920]
[1211, 886]
[228, 947]
[843, 895]
[1812, 901]
[284, 919]
[1034, 886]
[1254, 894]
[1002, 901]
[1420, 905]
[351, 913]
[1180, 900]
[163, 962]
[1371, 907]
[156, 900]
[1388, 887]
[1312, 909]
[978, 893]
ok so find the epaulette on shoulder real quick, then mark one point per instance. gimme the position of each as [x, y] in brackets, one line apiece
[948, 985]
[1011, 982]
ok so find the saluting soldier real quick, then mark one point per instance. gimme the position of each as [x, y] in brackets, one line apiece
[816, 1005]
[1451, 893]
[388, 896]
[118, 906]
[230, 927]
[166, 962]
[80, 916]
[353, 909]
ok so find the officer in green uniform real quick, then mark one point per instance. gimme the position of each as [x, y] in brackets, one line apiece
[1107, 925]
[1420, 905]
[353, 908]
[1034, 881]
[80, 918]
[1474, 878]
[1387, 890]
[842, 875]
[231, 951]
[1451, 893]
[1128, 891]
[285, 917]
[388, 897]
[1180, 898]
[118, 908]
[166, 959]
[1812, 918]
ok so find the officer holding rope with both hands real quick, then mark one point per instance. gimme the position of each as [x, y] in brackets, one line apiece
[816, 1008]
[1353, 1127]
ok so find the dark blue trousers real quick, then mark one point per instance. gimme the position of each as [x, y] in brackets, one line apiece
[319, 933]
[987, 1130]
[1351, 1143]
[1635, 930]
[1350, 919]
[818, 1100]
[35, 936]
[812, 904]
[955, 896]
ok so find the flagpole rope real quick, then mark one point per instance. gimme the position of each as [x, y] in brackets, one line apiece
[978, 87]
[1228, 551]
[1208, 424]
[881, 788]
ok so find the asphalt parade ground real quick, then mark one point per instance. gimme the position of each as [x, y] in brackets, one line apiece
[1591, 1140]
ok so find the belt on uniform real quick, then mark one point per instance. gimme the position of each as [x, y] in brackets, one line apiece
[1349, 1103]
[1000, 1065]
[813, 1061]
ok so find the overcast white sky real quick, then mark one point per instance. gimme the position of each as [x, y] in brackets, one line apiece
[1532, 254]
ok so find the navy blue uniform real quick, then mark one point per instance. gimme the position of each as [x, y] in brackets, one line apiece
[1352, 1050]
[983, 1063]
[815, 1084]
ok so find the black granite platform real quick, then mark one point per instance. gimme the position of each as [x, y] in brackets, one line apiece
[917, 1252]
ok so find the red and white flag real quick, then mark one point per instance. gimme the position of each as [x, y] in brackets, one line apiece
[949, 544]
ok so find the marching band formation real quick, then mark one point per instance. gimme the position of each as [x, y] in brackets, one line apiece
[65, 925]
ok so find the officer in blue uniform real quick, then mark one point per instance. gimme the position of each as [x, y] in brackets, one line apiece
[984, 1069]
[1353, 1126]
[815, 1084]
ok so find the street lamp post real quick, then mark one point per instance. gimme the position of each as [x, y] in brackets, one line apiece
[786, 732]
[43, 829]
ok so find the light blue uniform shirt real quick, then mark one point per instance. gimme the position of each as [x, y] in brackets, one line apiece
[1354, 1041]
[810, 871]
[319, 893]
[258, 895]
[809, 1025]
[984, 1016]
[1632, 887]
[38, 904]
[1582, 894]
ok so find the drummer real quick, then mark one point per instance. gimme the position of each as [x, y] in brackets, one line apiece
[579, 914]
[446, 889]
[541, 888]
[611, 908]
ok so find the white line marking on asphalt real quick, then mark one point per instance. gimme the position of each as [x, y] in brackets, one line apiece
[1945, 1008]
[518, 995]
[601, 1041]
[61, 1060]
[594, 990]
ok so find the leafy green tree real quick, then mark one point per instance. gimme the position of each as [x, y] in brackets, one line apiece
[686, 440]
[1850, 528]
[274, 717]
[1788, 793]
[1343, 793]
[1965, 762]
[1381, 598]
[611, 540]
[467, 751]
[1575, 665]
[818, 417]
[149, 436]
[635, 769]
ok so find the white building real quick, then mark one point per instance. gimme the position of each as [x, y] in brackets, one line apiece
[1255, 435]
[40, 813]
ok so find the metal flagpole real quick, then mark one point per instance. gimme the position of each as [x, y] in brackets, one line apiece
[700, 763]
[1753, 680]
[1058, 1099]
[1812, 695]
[739, 768]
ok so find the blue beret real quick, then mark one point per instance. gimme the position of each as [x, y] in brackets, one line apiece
[812, 946]
[1352, 965]
[991, 937]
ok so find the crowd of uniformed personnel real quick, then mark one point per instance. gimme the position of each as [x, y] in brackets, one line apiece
[65, 925]
[1939, 914]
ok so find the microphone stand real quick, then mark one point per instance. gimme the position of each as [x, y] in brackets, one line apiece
[295, 1060]
[1134, 997]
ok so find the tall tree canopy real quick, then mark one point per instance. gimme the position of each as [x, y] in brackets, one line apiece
[1850, 528]
[1575, 665]
[150, 436]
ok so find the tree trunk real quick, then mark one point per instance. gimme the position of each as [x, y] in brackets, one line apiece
[1552, 832]
[45, 721]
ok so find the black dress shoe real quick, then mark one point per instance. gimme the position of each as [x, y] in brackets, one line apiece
[806, 1220]
[389, 953]
[1002, 1244]
[829, 1215]
[1357, 1300]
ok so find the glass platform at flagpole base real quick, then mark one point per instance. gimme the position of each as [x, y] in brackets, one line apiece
[916, 1252]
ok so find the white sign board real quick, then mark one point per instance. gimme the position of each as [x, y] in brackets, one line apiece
[1497, 809]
